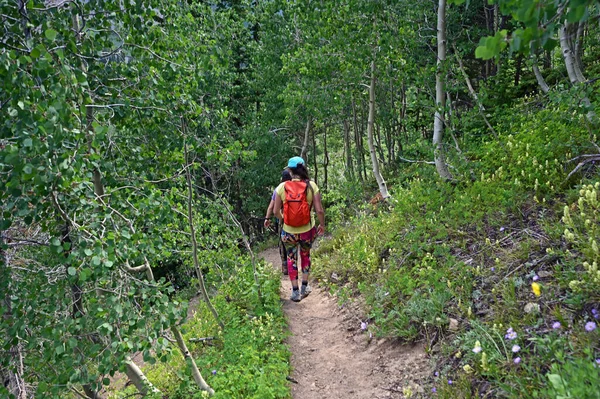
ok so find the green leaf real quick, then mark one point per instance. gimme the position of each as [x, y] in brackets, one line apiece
[71, 270]
[50, 34]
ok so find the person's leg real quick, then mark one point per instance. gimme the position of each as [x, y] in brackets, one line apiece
[290, 241]
[282, 252]
[306, 241]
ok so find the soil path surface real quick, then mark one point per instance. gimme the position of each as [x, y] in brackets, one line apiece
[332, 357]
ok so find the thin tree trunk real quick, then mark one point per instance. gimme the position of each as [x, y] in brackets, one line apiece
[440, 99]
[575, 75]
[306, 136]
[325, 159]
[496, 65]
[138, 379]
[363, 126]
[389, 133]
[379, 146]
[370, 127]
[314, 144]
[578, 43]
[536, 71]
[13, 378]
[518, 65]
[190, 215]
[488, 25]
[348, 151]
[473, 92]
[190, 361]
[359, 163]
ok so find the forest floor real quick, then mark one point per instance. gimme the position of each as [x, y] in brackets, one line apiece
[333, 358]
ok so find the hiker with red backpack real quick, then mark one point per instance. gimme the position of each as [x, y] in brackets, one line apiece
[293, 204]
[285, 176]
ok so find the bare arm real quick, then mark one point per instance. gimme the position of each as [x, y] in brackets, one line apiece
[277, 208]
[320, 213]
[269, 214]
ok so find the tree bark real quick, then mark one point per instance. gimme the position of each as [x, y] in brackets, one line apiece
[190, 361]
[440, 98]
[473, 93]
[370, 127]
[325, 159]
[518, 65]
[306, 136]
[575, 74]
[316, 166]
[359, 163]
[348, 151]
[536, 71]
[13, 377]
[138, 379]
[190, 216]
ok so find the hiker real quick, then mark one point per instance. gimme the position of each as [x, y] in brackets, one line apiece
[285, 176]
[293, 205]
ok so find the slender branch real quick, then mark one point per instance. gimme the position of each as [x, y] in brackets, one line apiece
[581, 164]
[156, 55]
[195, 243]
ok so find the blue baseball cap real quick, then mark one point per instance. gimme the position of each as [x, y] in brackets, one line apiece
[295, 161]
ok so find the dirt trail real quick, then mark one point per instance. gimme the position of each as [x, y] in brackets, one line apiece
[333, 358]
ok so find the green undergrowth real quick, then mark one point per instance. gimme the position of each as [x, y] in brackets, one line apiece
[475, 255]
[248, 359]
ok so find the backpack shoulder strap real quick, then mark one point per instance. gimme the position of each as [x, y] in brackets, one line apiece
[309, 187]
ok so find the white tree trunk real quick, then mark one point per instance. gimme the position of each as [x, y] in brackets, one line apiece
[306, 136]
[370, 127]
[137, 377]
[575, 74]
[440, 99]
[190, 361]
[536, 70]
[569, 57]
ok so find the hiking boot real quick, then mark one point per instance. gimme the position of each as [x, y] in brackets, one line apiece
[296, 296]
[305, 290]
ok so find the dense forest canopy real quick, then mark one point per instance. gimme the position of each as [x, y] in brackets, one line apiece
[455, 143]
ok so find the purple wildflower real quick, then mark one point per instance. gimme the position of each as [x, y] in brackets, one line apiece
[595, 313]
[516, 348]
[214, 372]
[510, 334]
[493, 269]
[536, 278]
[556, 325]
[436, 374]
[449, 382]
[363, 325]
[590, 326]
[501, 229]
[434, 390]
[598, 361]
[517, 360]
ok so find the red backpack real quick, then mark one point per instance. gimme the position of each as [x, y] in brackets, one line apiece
[296, 210]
